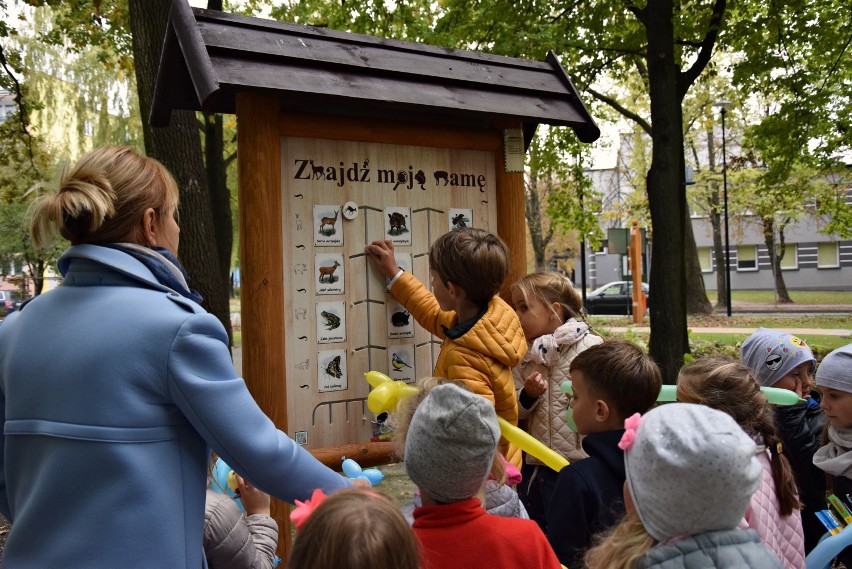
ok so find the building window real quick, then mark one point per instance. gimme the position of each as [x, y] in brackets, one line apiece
[746, 257]
[705, 259]
[790, 261]
[827, 257]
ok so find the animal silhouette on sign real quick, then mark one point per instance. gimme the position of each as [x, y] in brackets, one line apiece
[460, 221]
[327, 272]
[319, 171]
[333, 368]
[401, 179]
[398, 363]
[397, 223]
[298, 223]
[350, 209]
[441, 175]
[330, 221]
[420, 178]
[400, 319]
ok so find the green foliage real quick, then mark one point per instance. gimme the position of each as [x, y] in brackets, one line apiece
[23, 164]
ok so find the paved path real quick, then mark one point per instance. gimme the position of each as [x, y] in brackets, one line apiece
[804, 332]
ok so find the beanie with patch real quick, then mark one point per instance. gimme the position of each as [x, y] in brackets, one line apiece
[772, 354]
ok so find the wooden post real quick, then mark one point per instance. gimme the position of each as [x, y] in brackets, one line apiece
[635, 249]
[511, 221]
[261, 266]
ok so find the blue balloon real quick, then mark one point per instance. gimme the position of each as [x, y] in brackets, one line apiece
[827, 549]
[220, 482]
[353, 471]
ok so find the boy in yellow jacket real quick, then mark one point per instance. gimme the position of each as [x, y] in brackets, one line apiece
[482, 336]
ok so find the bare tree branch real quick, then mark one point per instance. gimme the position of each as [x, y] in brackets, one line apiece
[23, 114]
[689, 76]
[621, 109]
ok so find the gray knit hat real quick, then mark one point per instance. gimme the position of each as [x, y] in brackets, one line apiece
[772, 354]
[690, 469]
[451, 442]
[835, 370]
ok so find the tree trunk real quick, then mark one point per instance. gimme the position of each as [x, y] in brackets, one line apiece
[775, 259]
[716, 225]
[532, 207]
[666, 195]
[220, 197]
[178, 147]
[696, 295]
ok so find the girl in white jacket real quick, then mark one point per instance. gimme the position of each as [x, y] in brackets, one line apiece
[551, 313]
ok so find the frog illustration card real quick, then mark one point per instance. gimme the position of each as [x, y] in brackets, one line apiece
[331, 322]
[400, 322]
[331, 371]
[401, 362]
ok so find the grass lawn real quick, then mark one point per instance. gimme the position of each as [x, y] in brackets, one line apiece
[798, 296]
[779, 320]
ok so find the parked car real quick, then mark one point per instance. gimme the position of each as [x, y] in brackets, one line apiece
[613, 298]
[9, 300]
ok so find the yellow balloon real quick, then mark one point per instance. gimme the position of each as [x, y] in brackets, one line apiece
[531, 445]
[387, 393]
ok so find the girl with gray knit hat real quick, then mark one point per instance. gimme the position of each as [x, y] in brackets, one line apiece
[691, 471]
[834, 379]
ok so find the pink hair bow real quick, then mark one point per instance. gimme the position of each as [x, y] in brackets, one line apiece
[631, 425]
[303, 510]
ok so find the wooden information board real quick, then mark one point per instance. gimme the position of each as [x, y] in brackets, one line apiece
[341, 322]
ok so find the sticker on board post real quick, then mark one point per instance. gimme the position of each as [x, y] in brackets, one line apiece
[513, 149]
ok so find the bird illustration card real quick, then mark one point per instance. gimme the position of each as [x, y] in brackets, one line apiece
[403, 261]
[331, 371]
[328, 230]
[401, 362]
[331, 322]
[329, 273]
[460, 217]
[400, 322]
[397, 225]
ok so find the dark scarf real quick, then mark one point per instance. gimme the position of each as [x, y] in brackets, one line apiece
[164, 265]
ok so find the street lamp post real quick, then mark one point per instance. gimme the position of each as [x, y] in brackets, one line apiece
[724, 109]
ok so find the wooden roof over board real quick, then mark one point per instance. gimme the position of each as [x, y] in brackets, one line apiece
[208, 56]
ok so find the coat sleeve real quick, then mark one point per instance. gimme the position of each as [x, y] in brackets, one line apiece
[568, 517]
[234, 542]
[203, 384]
[422, 304]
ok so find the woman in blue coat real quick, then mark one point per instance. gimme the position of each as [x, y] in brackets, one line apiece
[117, 384]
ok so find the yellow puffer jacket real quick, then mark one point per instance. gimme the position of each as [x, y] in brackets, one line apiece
[482, 358]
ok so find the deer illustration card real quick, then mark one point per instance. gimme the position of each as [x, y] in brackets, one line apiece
[401, 362]
[400, 322]
[329, 273]
[331, 370]
[460, 217]
[398, 225]
[331, 322]
[328, 230]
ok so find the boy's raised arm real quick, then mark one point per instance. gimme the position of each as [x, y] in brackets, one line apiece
[382, 257]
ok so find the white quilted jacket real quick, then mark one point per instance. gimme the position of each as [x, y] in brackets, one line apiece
[782, 535]
[546, 418]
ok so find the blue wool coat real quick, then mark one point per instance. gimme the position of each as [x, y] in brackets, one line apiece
[114, 388]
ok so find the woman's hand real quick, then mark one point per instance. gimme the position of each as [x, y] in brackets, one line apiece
[255, 501]
[535, 386]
